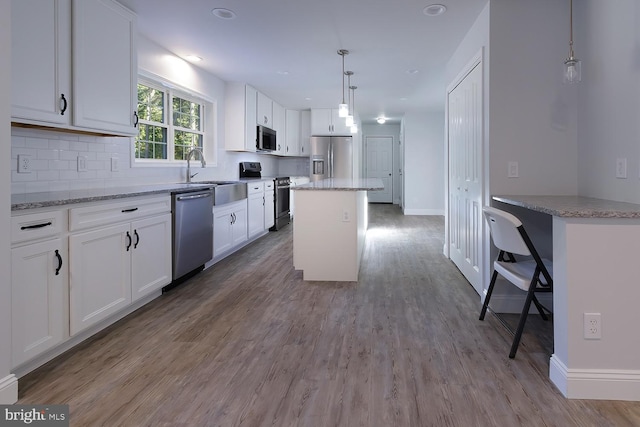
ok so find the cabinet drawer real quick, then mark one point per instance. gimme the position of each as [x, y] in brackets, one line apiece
[112, 212]
[268, 185]
[255, 187]
[37, 225]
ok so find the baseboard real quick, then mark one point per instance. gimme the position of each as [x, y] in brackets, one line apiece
[8, 390]
[438, 212]
[596, 384]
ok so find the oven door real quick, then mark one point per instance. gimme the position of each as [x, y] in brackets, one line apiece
[282, 206]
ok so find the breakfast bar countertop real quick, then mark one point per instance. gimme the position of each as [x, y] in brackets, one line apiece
[574, 206]
[342, 184]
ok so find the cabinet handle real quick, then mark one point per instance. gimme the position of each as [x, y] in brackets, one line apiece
[129, 239]
[234, 218]
[64, 104]
[31, 227]
[129, 210]
[265, 120]
[135, 233]
[263, 201]
[135, 123]
[59, 262]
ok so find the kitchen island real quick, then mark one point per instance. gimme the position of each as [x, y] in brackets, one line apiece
[595, 270]
[330, 227]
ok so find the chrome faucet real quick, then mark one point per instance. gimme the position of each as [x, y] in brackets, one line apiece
[197, 150]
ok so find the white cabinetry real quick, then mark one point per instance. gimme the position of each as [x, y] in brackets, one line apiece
[103, 65]
[39, 284]
[269, 204]
[229, 226]
[240, 117]
[115, 264]
[325, 121]
[41, 60]
[265, 111]
[292, 141]
[280, 128]
[305, 133]
[261, 212]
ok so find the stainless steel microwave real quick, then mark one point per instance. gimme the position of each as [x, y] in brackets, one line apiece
[266, 139]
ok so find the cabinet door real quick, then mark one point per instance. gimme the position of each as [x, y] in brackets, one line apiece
[305, 133]
[339, 124]
[104, 66]
[150, 255]
[280, 128]
[321, 121]
[100, 274]
[222, 234]
[38, 295]
[240, 226]
[250, 109]
[292, 133]
[265, 111]
[41, 60]
[255, 214]
[269, 209]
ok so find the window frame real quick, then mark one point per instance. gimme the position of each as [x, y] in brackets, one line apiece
[207, 124]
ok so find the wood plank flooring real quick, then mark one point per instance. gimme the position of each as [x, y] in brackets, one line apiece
[248, 343]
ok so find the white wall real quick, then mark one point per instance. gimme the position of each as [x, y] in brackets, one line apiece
[8, 384]
[392, 130]
[423, 163]
[608, 43]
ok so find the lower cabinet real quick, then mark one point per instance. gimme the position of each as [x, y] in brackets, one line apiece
[39, 278]
[269, 204]
[229, 226]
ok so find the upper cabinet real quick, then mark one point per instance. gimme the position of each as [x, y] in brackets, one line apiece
[325, 121]
[305, 133]
[240, 131]
[292, 142]
[279, 126]
[265, 111]
[102, 96]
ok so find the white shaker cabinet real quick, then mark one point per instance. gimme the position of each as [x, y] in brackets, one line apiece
[269, 204]
[229, 226]
[151, 255]
[74, 65]
[305, 133]
[41, 60]
[325, 121]
[264, 111]
[240, 117]
[256, 209]
[292, 140]
[105, 70]
[39, 285]
[279, 126]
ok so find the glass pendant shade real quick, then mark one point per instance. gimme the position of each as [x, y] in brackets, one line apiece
[572, 70]
[349, 120]
[343, 110]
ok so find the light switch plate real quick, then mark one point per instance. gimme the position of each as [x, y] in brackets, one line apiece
[115, 167]
[512, 170]
[621, 168]
[82, 163]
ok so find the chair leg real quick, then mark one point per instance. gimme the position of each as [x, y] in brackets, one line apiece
[494, 277]
[540, 308]
[523, 319]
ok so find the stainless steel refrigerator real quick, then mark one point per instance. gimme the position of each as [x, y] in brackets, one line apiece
[331, 157]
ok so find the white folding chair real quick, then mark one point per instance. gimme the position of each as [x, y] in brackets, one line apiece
[531, 275]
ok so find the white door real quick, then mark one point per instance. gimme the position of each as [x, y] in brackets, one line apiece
[379, 155]
[256, 213]
[465, 176]
[150, 255]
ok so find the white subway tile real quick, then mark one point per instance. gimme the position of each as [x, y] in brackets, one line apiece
[96, 147]
[59, 186]
[37, 143]
[59, 165]
[58, 144]
[48, 175]
[37, 187]
[18, 141]
[71, 174]
[18, 187]
[78, 146]
[48, 154]
[39, 164]
[69, 155]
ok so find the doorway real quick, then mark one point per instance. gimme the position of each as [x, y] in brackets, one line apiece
[379, 164]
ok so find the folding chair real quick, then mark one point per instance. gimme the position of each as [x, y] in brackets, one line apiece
[531, 275]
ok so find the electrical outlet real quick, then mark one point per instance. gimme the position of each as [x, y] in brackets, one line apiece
[512, 170]
[114, 164]
[592, 326]
[621, 168]
[24, 163]
[346, 217]
[82, 163]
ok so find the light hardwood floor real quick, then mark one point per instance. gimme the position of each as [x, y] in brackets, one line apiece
[247, 342]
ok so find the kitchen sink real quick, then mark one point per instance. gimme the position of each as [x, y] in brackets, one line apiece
[228, 191]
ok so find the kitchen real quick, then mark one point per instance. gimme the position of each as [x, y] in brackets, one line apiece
[149, 52]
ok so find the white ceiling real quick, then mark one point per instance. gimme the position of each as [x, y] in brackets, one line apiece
[386, 39]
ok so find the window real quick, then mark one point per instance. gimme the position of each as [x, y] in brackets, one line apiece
[171, 124]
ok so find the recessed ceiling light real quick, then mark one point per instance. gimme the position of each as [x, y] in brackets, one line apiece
[283, 73]
[223, 13]
[403, 99]
[434, 10]
[308, 99]
[412, 71]
[381, 120]
[193, 58]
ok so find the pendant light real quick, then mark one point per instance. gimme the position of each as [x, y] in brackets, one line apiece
[349, 118]
[572, 65]
[343, 109]
[354, 126]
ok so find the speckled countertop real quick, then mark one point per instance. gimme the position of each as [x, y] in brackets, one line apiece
[59, 198]
[337, 184]
[574, 206]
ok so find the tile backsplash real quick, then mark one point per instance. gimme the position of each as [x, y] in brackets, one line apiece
[53, 163]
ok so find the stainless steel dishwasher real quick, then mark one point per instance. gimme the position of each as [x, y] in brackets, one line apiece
[192, 231]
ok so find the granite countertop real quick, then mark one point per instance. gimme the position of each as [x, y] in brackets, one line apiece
[59, 198]
[337, 184]
[574, 206]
